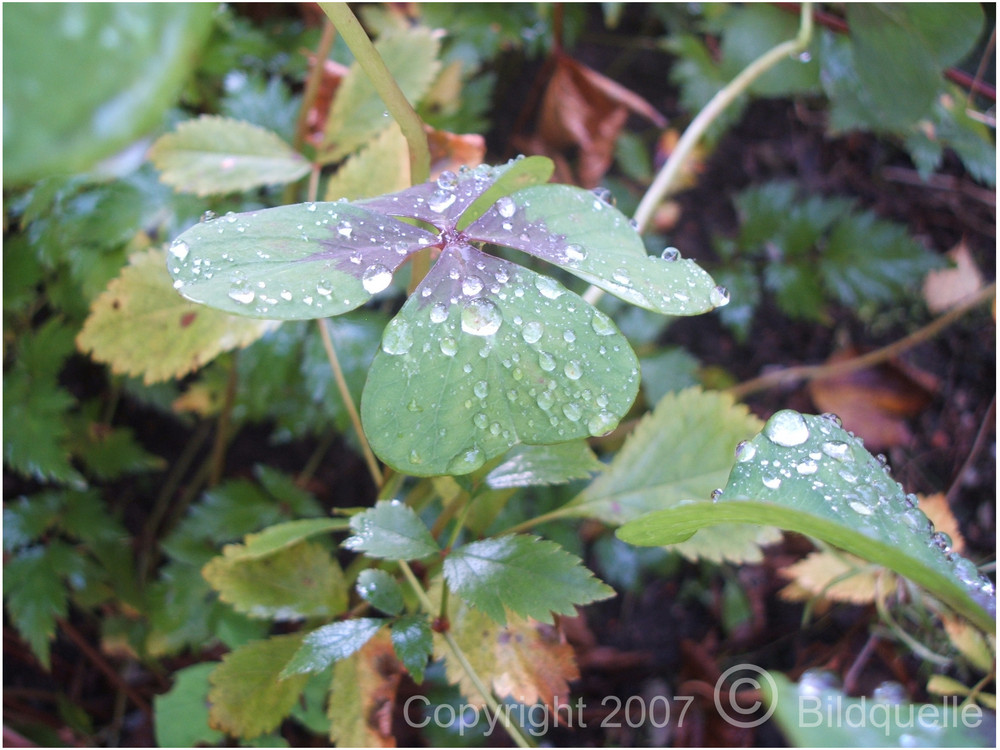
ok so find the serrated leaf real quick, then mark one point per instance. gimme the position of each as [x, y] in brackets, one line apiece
[331, 643]
[297, 262]
[681, 450]
[213, 155]
[283, 535]
[807, 474]
[413, 643]
[248, 698]
[140, 326]
[110, 452]
[84, 81]
[358, 112]
[364, 694]
[832, 576]
[523, 661]
[532, 465]
[34, 429]
[381, 590]
[181, 714]
[382, 166]
[486, 354]
[292, 583]
[391, 530]
[574, 229]
[526, 574]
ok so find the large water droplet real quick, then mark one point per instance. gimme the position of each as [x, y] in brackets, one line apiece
[376, 278]
[481, 389]
[439, 312]
[545, 400]
[344, 228]
[575, 253]
[471, 286]
[602, 324]
[601, 423]
[506, 207]
[889, 691]
[860, 507]
[532, 332]
[179, 249]
[546, 361]
[397, 338]
[467, 461]
[573, 370]
[745, 451]
[447, 180]
[448, 346]
[807, 467]
[573, 411]
[719, 296]
[241, 292]
[548, 287]
[439, 200]
[787, 428]
[837, 450]
[670, 254]
[481, 421]
[481, 317]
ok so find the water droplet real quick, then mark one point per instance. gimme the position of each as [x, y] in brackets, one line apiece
[573, 370]
[415, 458]
[397, 338]
[179, 249]
[439, 312]
[575, 253]
[286, 295]
[545, 400]
[506, 207]
[207, 216]
[604, 195]
[670, 254]
[573, 411]
[447, 180]
[532, 332]
[805, 56]
[860, 507]
[837, 450]
[241, 292]
[568, 336]
[480, 421]
[745, 450]
[601, 423]
[439, 200]
[719, 296]
[548, 287]
[481, 389]
[376, 278]
[602, 324]
[787, 428]
[471, 286]
[716, 494]
[807, 467]
[344, 228]
[889, 691]
[448, 346]
[941, 540]
[831, 417]
[481, 317]
[816, 681]
[311, 207]
[467, 461]
[546, 361]
[621, 277]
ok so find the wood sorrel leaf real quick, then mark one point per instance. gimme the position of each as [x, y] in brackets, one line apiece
[309, 260]
[577, 231]
[807, 474]
[486, 354]
[329, 643]
[391, 531]
[526, 574]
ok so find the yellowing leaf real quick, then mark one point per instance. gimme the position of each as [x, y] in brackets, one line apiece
[364, 695]
[247, 697]
[834, 576]
[946, 287]
[382, 166]
[936, 508]
[219, 155]
[140, 325]
[978, 647]
[526, 660]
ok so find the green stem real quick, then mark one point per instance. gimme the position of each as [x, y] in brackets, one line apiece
[374, 67]
[512, 729]
[665, 180]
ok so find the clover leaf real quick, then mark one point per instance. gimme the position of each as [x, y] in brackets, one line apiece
[485, 354]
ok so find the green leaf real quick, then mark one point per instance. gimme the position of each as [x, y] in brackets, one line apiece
[522, 173]
[806, 474]
[381, 590]
[476, 362]
[381, 166]
[110, 452]
[34, 428]
[414, 643]
[668, 370]
[682, 450]
[823, 716]
[140, 325]
[181, 715]
[83, 81]
[212, 155]
[283, 535]
[358, 112]
[532, 465]
[526, 574]
[331, 643]
[303, 261]
[248, 698]
[577, 231]
[391, 530]
[291, 584]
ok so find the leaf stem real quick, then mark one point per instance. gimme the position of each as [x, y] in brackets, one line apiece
[667, 177]
[812, 372]
[222, 429]
[345, 394]
[395, 101]
[504, 716]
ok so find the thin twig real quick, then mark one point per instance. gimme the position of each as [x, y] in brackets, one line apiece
[811, 372]
[312, 84]
[222, 428]
[977, 445]
[345, 394]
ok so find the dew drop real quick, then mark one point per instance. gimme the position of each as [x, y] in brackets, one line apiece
[620, 276]
[471, 286]
[716, 494]
[506, 207]
[573, 411]
[772, 483]
[439, 312]
[397, 338]
[447, 180]
[481, 317]
[286, 295]
[670, 254]
[311, 207]
[532, 332]
[467, 461]
[837, 450]
[787, 428]
[573, 370]
[807, 467]
[889, 691]
[376, 278]
[179, 249]
[831, 417]
[415, 458]
[859, 507]
[575, 253]
[548, 287]
[241, 292]
[602, 324]
[480, 421]
[414, 406]
[545, 400]
[745, 451]
[719, 296]
[546, 361]
[449, 346]
[601, 423]
[481, 389]
[568, 336]
[344, 228]
[439, 200]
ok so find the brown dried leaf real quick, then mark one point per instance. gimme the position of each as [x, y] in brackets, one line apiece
[583, 109]
[363, 695]
[451, 151]
[947, 287]
[333, 74]
[814, 575]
